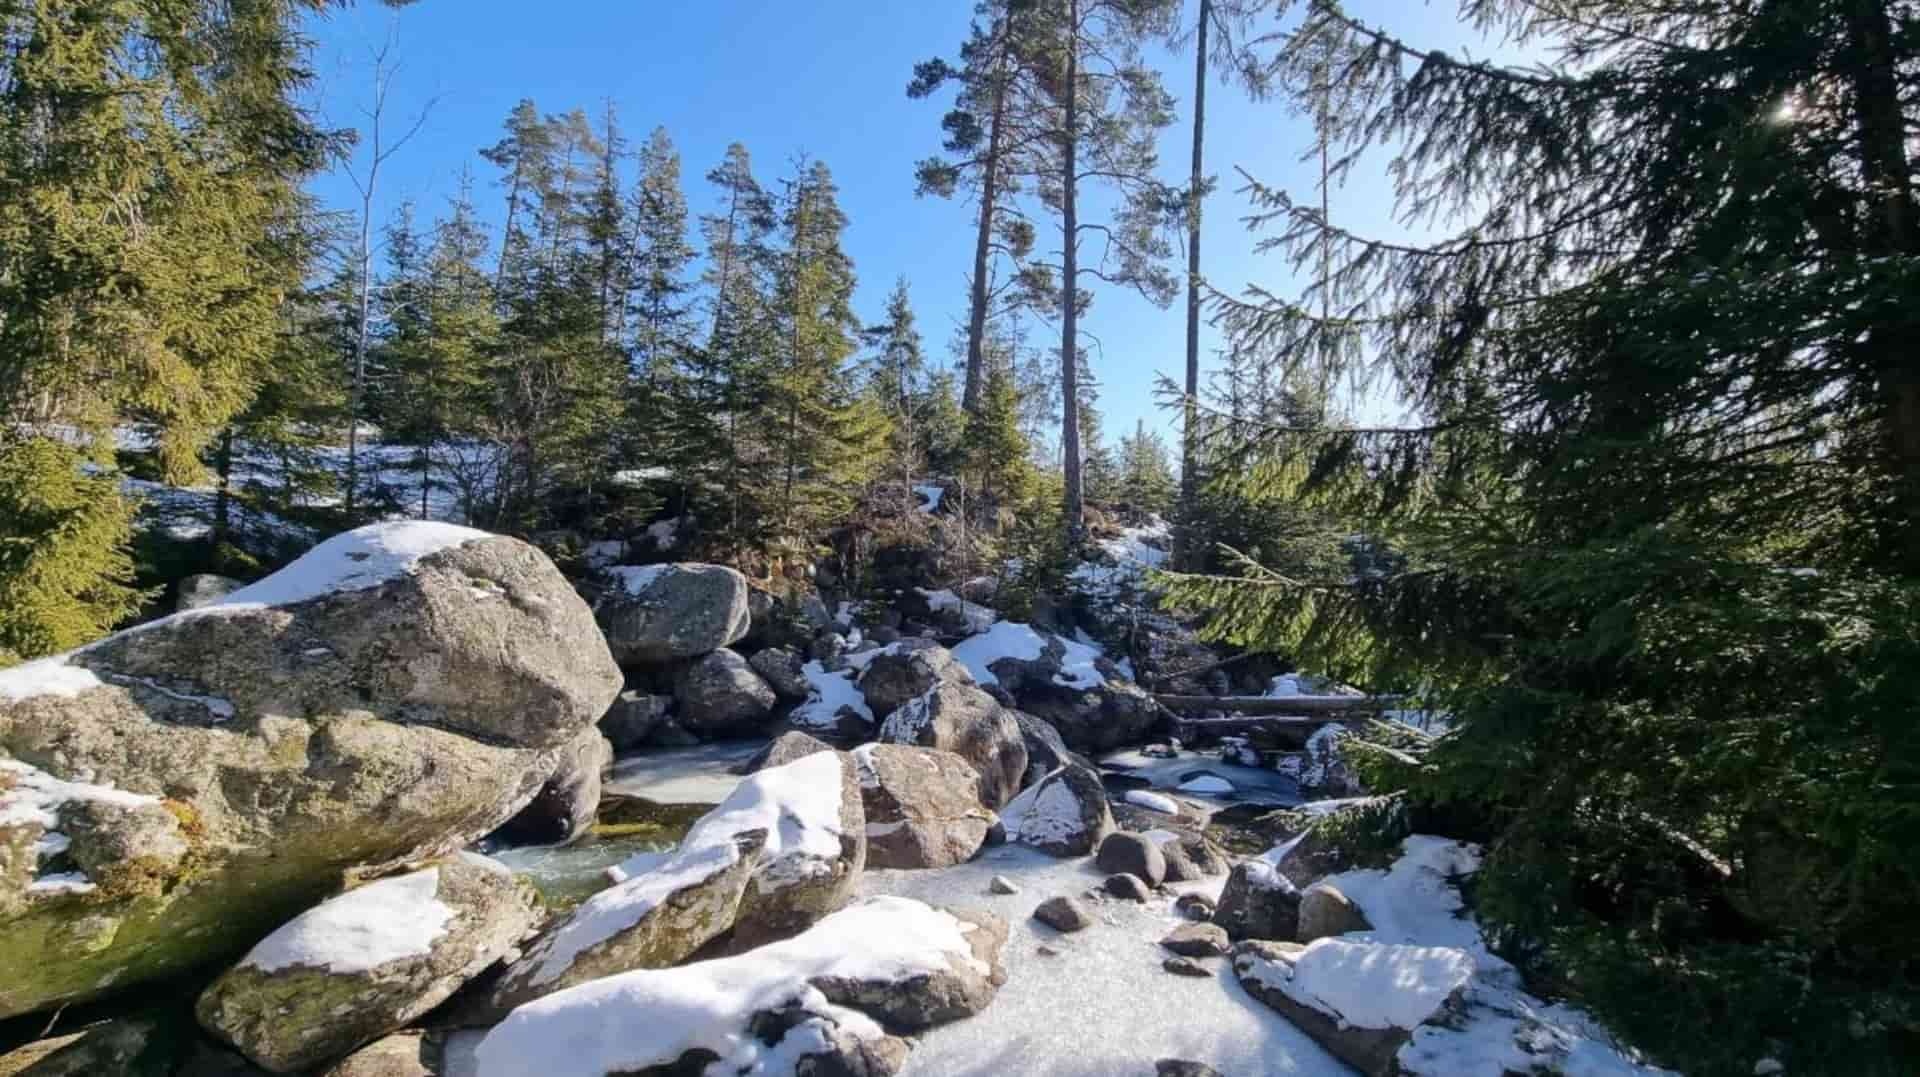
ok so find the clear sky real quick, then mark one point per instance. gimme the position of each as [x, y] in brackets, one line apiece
[827, 78]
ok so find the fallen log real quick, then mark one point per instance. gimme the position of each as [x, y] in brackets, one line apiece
[1280, 705]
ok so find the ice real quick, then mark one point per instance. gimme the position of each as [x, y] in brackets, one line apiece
[352, 561]
[1251, 784]
[1153, 801]
[373, 925]
[1102, 1005]
[702, 774]
[1208, 785]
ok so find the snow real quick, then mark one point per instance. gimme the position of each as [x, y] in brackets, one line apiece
[701, 774]
[1011, 639]
[1367, 985]
[373, 925]
[797, 804]
[1415, 900]
[638, 476]
[219, 709]
[45, 677]
[604, 553]
[978, 618]
[1208, 785]
[616, 910]
[65, 882]
[829, 692]
[35, 797]
[651, 1017]
[351, 561]
[1049, 812]
[665, 533]
[930, 497]
[1101, 1004]
[1136, 552]
[1153, 801]
[1304, 685]
[635, 579]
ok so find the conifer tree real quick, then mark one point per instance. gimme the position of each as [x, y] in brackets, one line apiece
[897, 382]
[1146, 479]
[996, 451]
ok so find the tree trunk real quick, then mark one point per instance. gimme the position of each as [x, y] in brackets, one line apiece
[1070, 460]
[982, 245]
[1189, 435]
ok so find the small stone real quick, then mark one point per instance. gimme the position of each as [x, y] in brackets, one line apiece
[1000, 884]
[1180, 1067]
[1046, 951]
[1198, 940]
[1128, 887]
[1124, 852]
[1063, 914]
[1197, 907]
[1325, 912]
[1185, 966]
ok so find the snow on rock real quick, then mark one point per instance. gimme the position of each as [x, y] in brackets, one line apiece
[635, 579]
[1208, 785]
[909, 964]
[366, 927]
[1372, 986]
[1153, 801]
[1065, 814]
[34, 797]
[977, 618]
[1292, 685]
[829, 694]
[45, 677]
[1416, 900]
[354, 560]
[1011, 639]
[604, 553]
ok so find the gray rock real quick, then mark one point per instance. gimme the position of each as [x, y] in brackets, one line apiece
[780, 667]
[371, 705]
[403, 1054]
[671, 734]
[1180, 1067]
[660, 613]
[563, 810]
[1107, 716]
[1267, 969]
[1063, 914]
[1000, 884]
[1128, 887]
[905, 671]
[1046, 752]
[204, 589]
[1186, 966]
[1065, 815]
[126, 1047]
[650, 921]
[1134, 854]
[922, 805]
[720, 694]
[1325, 911]
[962, 719]
[1198, 940]
[1196, 907]
[633, 718]
[1258, 903]
[367, 962]
[1204, 854]
[782, 750]
[1180, 865]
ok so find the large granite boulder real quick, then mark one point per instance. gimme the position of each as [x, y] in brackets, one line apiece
[174, 792]
[923, 806]
[720, 694]
[653, 920]
[634, 717]
[363, 964]
[562, 811]
[784, 671]
[656, 614]
[1066, 814]
[831, 1001]
[905, 671]
[815, 848]
[962, 719]
[1259, 902]
[1361, 1001]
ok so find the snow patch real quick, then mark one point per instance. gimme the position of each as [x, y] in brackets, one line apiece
[45, 677]
[1367, 985]
[977, 618]
[1046, 814]
[373, 925]
[1208, 785]
[351, 561]
[616, 910]
[829, 692]
[797, 804]
[1153, 801]
[930, 497]
[635, 579]
[35, 797]
[1011, 639]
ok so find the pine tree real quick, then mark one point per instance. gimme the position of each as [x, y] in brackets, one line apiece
[462, 357]
[898, 384]
[1146, 479]
[996, 451]
[942, 424]
[1652, 536]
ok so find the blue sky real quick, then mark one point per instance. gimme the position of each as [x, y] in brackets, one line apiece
[827, 78]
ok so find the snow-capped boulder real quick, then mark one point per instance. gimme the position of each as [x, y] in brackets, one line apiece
[820, 1003]
[203, 589]
[905, 671]
[962, 719]
[653, 920]
[1133, 854]
[1070, 684]
[655, 614]
[633, 718]
[564, 807]
[1258, 902]
[1065, 814]
[172, 793]
[363, 964]
[720, 694]
[1359, 1000]
[1108, 715]
[783, 670]
[815, 851]
[923, 806]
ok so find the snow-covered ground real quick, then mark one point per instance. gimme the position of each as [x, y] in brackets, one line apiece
[1102, 1005]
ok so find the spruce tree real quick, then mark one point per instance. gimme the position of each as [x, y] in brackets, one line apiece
[1146, 479]
[897, 382]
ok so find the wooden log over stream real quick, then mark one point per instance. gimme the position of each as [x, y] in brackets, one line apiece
[1338, 707]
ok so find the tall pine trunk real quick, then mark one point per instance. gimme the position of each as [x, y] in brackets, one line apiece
[1189, 435]
[1070, 459]
[983, 241]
